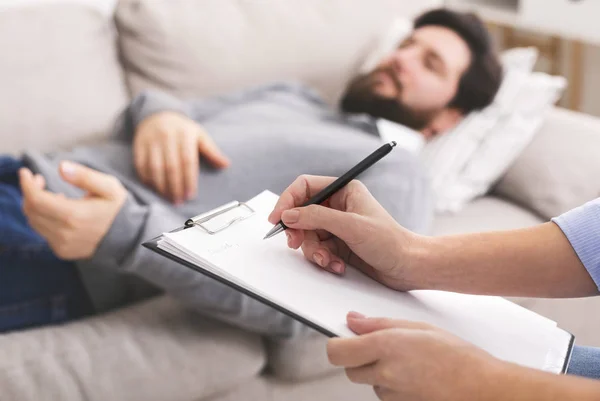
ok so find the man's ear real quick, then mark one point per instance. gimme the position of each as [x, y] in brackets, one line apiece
[444, 121]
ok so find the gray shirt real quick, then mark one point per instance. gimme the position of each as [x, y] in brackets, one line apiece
[271, 134]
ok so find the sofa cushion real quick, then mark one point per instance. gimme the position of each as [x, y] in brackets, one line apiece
[267, 388]
[155, 350]
[299, 358]
[559, 170]
[196, 48]
[60, 77]
[485, 214]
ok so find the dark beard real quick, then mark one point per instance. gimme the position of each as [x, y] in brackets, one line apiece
[360, 97]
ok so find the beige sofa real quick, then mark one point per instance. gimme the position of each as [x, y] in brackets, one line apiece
[65, 72]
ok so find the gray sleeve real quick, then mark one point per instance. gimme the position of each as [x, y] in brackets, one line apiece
[121, 250]
[153, 101]
[144, 105]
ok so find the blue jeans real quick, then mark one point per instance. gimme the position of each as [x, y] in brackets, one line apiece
[585, 362]
[36, 288]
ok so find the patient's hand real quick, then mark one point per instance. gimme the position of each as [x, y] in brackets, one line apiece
[72, 227]
[166, 150]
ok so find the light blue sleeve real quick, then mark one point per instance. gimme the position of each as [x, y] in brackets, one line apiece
[582, 228]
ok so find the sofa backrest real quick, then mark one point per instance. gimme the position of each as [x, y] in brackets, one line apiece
[60, 79]
[560, 168]
[196, 48]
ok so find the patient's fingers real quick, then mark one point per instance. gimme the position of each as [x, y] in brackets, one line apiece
[140, 159]
[157, 171]
[37, 201]
[42, 225]
[26, 182]
[190, 164]
[173, 172]
[40, 181]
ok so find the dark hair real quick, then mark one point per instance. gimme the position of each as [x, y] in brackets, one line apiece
[481, 81]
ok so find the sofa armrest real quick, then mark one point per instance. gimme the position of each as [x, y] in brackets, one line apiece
[559, 170]
[154, 350]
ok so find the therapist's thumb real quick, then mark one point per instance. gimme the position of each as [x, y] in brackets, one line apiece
[315, 217]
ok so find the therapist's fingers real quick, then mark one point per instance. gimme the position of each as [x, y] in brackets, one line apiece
[364, 325]
[353, 352]
[296, 237]
[363, 374]
[302, 189]
[346, 226]
[383, 393]
[320, 247]
[323, 253]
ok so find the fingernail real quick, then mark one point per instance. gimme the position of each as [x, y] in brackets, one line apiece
[336, 267]
[290, 216]
[68, 168]
[356, 315]
[318, 259]
[289, 239]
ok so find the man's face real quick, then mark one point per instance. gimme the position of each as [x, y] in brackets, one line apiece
[414, 84]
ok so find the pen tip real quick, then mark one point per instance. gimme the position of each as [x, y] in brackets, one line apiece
[393, 143]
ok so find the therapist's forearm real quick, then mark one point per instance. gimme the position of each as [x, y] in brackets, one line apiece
[533, 262]
[516, 383]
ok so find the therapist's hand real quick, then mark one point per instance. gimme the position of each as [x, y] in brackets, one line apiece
[410, 361]
[351, 227]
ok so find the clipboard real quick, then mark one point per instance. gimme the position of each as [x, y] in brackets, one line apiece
[228, 215]
[202, 221]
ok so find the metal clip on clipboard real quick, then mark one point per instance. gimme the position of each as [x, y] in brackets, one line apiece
[226, 215]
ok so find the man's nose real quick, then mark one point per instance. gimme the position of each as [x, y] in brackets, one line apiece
[405, 60]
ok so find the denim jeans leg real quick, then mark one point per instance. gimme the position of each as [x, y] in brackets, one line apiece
[37, 289]
[585, 362]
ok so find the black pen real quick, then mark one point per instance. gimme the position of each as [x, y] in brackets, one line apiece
[340, 183]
